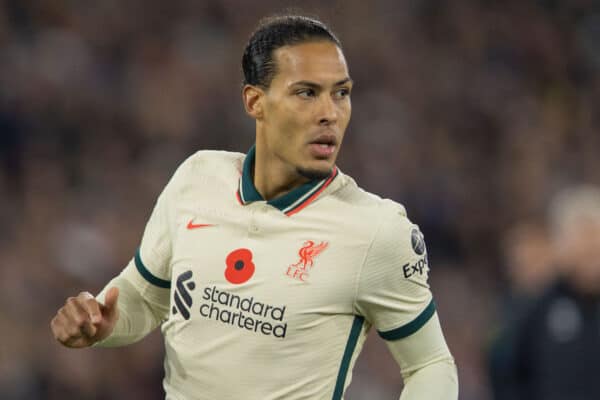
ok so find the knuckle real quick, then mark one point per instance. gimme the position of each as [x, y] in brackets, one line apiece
[63, 312]
[64, 337]
[61, 335]
[84, 295]
[92, 304]
[71, 300]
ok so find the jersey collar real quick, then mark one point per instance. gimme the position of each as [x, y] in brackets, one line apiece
[289, 203]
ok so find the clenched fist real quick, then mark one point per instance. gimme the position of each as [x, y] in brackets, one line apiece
[83, 321]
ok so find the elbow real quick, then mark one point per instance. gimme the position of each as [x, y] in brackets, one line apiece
[437, 380]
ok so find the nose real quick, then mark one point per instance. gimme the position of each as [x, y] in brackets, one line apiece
[328, 114]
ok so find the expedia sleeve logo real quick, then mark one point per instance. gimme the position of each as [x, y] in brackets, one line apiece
[417, 241]
[419, 267]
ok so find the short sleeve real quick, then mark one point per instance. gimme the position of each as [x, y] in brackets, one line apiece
[393, 293]
[153, 258]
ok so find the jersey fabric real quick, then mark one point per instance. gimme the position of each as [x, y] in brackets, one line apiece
[272, 299]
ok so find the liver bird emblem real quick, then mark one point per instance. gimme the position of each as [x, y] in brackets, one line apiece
[308, 252]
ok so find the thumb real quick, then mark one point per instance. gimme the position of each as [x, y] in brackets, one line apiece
[110, 300]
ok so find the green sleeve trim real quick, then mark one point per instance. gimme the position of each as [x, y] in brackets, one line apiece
[412, 326]
[357, 325]
[148, 275]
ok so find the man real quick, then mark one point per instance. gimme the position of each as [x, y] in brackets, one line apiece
[530, 270]
[266, 270]
[556, 344]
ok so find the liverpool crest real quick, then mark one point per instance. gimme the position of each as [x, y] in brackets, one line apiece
[307, 254]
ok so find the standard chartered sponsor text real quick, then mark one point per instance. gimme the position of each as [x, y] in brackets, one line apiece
[243, 312]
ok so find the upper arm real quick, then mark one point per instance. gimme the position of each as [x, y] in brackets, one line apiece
[149, 270]
[153, 258]
[394, 295]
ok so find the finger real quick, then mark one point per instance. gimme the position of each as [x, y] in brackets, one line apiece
[58, 325]
[86, 326]
[91, 306]
[79, 322]
[67, 328]
[84, 305]
[89, 329]
[110, 301]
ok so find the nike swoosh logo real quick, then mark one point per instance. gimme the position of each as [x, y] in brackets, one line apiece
[191, 225]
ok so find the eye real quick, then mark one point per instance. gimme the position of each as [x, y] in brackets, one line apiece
[341, 93]
[306, 93]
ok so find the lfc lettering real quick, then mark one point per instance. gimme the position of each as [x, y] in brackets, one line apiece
[297, 273]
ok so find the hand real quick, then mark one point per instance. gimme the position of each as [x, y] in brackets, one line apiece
[83, 321]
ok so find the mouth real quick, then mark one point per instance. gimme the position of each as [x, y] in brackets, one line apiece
[326, 139]
[323, 146]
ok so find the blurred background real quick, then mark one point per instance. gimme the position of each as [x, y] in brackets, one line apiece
[472, 114]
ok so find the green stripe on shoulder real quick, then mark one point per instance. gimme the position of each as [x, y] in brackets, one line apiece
[156, 281]
[340, 382]
[412, 326]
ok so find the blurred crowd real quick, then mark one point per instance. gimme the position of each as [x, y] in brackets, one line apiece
[473, 114]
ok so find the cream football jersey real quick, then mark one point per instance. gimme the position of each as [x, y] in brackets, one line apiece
[265, 300]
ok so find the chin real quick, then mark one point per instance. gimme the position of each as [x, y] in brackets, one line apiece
[314, 173]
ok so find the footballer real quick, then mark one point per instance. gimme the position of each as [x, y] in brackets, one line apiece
[266, 270]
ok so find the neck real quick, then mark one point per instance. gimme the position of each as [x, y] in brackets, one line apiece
[272, 177]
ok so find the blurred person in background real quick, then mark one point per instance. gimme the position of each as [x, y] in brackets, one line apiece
[529, 259]
[530, 270]
[299, 327]
[556, 344]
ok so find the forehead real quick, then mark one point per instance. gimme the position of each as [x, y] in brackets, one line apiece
[320, 62]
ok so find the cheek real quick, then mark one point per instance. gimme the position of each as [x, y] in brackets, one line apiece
[344, 114]
[293, 126]
[591, 252]
[285, 117]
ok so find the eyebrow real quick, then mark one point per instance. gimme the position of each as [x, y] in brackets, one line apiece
[317, 86]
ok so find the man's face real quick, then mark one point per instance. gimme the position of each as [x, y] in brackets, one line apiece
[579, 251]
[306, 109]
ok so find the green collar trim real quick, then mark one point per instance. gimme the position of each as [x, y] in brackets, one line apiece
[289, 203]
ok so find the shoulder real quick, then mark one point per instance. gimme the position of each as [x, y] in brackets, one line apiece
[397, 234]
[398, 251]
[384, 220]
[208, 165]
[396, 264]
[368, 205]
[213, 161]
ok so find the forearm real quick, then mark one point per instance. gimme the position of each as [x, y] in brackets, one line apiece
[141, 308]
[435, 381]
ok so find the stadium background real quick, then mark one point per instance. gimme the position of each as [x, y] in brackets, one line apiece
[470, 113]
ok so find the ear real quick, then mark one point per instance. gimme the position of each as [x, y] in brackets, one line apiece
[253, 98]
